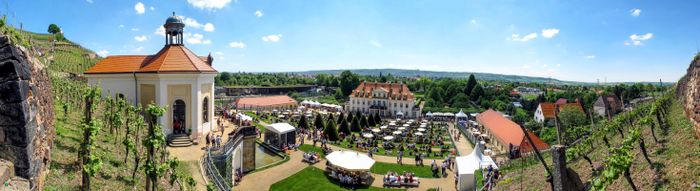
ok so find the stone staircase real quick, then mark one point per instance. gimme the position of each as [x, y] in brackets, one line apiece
[8, 179]
[179, 140]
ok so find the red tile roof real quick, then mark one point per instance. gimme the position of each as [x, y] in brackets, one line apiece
[265, 101]
[507, 131]
[549, 108]
[561, 101]
[172, 58]
[395, 91]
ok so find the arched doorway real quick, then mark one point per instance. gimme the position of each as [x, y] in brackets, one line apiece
[179, 116]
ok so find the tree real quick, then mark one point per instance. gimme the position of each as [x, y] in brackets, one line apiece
[476, 93]
[331, 130]
[348, 82]
[225, 76]
[363, 122]
[355, 125]
[377, 119]
[341, 118]
[350, 117]
[371, 121]
[344, 128]
[54, 29]
[572, 117]
[471, 84]
[461, 100]
[302, 122]
[318, 123]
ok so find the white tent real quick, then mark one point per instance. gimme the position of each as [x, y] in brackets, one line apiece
[466, 165]
[350, 160]
[280, 128]
[280, 134]
[461, 116]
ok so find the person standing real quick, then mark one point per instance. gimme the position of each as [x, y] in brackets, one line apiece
[208, 139]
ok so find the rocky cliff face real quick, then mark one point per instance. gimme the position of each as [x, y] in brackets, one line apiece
[26, 113]
[688, 90]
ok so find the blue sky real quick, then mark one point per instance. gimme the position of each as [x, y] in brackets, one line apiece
[569, 40]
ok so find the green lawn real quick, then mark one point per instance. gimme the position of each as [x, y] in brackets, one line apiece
[420, 171]
[312, 178]
[308, 148]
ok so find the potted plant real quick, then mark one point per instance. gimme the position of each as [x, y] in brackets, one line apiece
[189, 131]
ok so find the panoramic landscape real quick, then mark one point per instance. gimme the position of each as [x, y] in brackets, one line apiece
[466, 95]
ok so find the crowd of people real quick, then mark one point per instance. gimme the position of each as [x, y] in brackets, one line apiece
[348, 180]
[395, 179]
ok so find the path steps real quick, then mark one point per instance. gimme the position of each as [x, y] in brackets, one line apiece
[180, 140]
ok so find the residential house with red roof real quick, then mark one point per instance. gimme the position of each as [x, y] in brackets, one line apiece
[174, 77]
[502, 133]
[387, 99]
[546, 111]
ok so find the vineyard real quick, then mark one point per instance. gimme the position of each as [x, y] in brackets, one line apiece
[649, 148]
[102, 143]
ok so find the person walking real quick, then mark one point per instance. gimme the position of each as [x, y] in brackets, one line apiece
[208, 139]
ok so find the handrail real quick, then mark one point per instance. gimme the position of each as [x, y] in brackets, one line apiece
[210, 168]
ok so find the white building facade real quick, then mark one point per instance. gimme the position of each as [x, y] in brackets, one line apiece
[387, 99]
[174, 78]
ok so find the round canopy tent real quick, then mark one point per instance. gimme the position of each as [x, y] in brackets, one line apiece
[388, 138]
[350, 160]
[367, 135]
[429, 114]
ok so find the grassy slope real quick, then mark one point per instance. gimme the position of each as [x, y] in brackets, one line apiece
[677, 155]
[64, 174]
[312, 178]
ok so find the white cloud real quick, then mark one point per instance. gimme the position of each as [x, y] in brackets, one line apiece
[141, 38]
[473, 21]
[528, 37]
[140, 8]
[138, 49]
[209, 4]
[236, 45]
[193, 23]
[526, 66]
[375, 44]
[121, 26]
[558, 65]
[160, 31]
[209, 27]
[635, 12]
[272, 38]
[134, 29]
[549, 33]
[219, 53]
[152, 8]
[89, 1]
[637, 39]
[590, 57]
[190, 22]
[259, 13]
[103, 53]
[194, 38]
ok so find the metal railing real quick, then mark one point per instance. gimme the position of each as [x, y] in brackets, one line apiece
[211, 170]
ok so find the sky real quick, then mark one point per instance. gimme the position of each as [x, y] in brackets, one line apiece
[578, 40]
